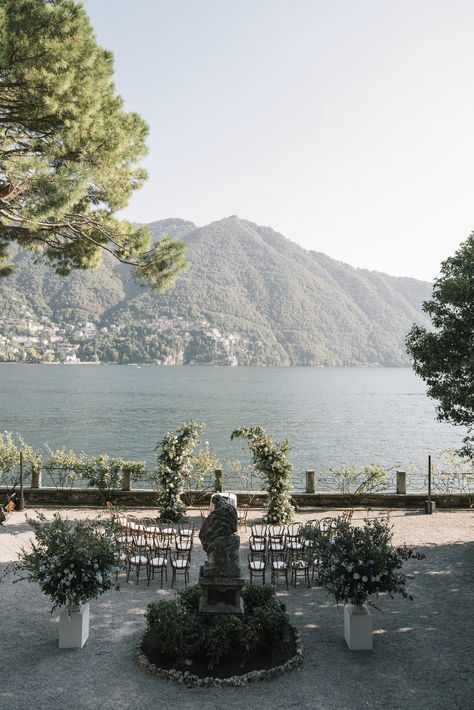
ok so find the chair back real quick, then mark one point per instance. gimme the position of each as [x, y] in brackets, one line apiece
[259, 530]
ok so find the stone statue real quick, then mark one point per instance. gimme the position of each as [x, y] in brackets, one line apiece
[220, 541]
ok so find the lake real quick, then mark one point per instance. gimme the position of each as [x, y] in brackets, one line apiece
[331, 416]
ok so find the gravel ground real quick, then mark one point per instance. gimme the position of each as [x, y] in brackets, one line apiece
[422, 656]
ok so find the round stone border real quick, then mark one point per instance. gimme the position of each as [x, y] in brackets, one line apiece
[189, 680]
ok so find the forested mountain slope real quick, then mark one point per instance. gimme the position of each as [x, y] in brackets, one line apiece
[250, 296]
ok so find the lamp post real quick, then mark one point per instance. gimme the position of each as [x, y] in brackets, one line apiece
[21, 502]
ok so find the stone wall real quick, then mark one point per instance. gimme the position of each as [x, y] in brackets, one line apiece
[79, 497]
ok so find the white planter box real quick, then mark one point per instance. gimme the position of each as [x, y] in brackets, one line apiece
[74, 626]
[358, 627]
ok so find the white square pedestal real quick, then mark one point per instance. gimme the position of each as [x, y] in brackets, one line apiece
[358, 627]
[74, 627]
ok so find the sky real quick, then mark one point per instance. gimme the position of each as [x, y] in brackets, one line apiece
[346, 125]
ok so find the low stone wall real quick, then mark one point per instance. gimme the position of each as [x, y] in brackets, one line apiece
[190, 680]
[83, 497]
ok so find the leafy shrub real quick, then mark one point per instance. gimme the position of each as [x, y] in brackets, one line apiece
[102, 472]
[10, 447]
[68, 560]
[182, 632]
[223, 638]
[189, 598]
[265, 628]
[255, 597]
[355, 480]
[63, 467]
[178, 631]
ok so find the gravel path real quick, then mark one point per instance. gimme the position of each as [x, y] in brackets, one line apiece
[422, 655]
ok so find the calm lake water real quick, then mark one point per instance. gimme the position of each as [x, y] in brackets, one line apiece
[331, 416]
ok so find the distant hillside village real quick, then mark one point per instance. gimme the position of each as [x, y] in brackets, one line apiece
[249, 297]
[27, 339]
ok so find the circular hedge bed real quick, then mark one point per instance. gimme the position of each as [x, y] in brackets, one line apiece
[195, 649]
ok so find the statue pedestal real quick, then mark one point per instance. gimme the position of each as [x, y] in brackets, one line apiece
[221, 595]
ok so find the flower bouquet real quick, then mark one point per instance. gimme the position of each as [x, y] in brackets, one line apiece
[357, 563]
[72, 563]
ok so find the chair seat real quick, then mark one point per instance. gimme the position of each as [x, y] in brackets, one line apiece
[279, 564]
[138, 560]
[157, 562]
[179, 564]
[257, 564]
[300, 564]
[123, 539]
[140, 542]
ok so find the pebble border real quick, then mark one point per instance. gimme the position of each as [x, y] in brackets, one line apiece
[189, 680]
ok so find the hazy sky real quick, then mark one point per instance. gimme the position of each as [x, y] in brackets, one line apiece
[347, 125]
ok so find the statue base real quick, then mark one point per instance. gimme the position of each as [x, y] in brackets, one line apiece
[221, 595]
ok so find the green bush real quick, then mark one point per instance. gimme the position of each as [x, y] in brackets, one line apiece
[223, 638]
[256, 597]
[182, 632]
[178, 631]
[189, 598]
[265, 628]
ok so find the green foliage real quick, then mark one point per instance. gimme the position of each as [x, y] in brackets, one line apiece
[266, 627]
[102, 472]
[452, 473]
[444, 358]
[354, 479]
[68, 151]
[255, 597]
[181, 632]
[189, 598]
[204, 462]
[223, 638]
[63, 467]
[271, 463]
[359, 562]
[178, 630]
[69, 561]
[175, 466]
[10, 447]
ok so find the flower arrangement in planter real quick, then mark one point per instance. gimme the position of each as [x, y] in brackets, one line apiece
[175, 465]
[357, 563]
[270, 461]
[71, 563]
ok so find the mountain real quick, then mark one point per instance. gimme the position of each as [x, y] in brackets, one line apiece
[250, 296]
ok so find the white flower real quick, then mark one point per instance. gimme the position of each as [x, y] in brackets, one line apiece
[356, 575]
[364, 579]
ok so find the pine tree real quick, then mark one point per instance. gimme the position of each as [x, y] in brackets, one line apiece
[68, 150]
